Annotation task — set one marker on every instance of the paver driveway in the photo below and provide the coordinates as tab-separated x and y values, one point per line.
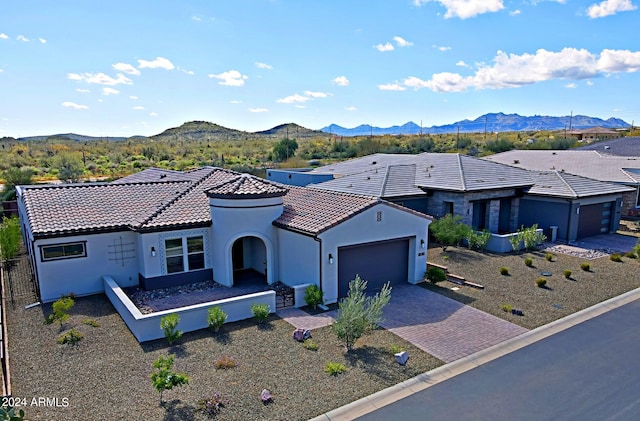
443	327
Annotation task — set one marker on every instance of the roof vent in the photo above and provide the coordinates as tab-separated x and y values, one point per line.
163	175
607	147
374	162
553	153
368	178
516	161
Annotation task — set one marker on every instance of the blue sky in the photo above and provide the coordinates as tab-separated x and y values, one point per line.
124	68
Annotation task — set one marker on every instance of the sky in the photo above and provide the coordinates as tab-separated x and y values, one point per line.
125	68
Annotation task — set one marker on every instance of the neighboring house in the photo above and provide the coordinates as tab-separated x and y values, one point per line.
625	146
593	134
161	228
485	194
621	170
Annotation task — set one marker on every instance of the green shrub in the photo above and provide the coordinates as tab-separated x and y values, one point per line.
260	312
60	311
224	363
394	349
506	308
313	296
72	337
169	324
11	414
435	275
541	282
630	255
504	270
585	266
91	322
216	318
528	261
615	257
164	378
549	257
310	344
567	273
478	239
334	369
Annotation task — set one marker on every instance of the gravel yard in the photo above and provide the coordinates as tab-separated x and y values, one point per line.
108	375
561	297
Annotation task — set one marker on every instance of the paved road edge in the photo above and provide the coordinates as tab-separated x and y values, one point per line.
425	380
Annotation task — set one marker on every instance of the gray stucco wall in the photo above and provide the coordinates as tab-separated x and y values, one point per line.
546	213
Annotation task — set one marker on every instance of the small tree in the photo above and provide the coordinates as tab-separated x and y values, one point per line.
449	230
216	318
358	313
61	308
169	324
284	149
313	296
164	378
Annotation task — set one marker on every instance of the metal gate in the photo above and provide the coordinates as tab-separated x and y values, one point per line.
19	281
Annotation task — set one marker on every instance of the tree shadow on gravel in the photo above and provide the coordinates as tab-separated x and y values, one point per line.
177	411
222	337
371	360
179	351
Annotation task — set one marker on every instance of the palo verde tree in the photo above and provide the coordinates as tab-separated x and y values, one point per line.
164	378
284	149
14	177
69	168
359	313
449	230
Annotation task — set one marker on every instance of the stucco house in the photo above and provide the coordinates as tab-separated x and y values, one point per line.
486	194
161	228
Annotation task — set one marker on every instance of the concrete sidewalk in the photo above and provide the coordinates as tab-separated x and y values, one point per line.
394	393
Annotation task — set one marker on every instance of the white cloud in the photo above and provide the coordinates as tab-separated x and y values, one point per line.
235	101
589	83
610	7
300	106
100	78
138	107
442	47
341	81
196	18
312	94
571	85
110	91
153	114
42	40
22	38
515	12
75	106
258	110
464	9
384	47
351	108
391	87
230	78
158	63
401	42
83	91
189	72
511	71
263	66
126	68
4	36
462	64
133	97
292	99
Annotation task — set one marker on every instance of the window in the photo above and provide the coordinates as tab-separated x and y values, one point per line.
63	251
184	254
447	208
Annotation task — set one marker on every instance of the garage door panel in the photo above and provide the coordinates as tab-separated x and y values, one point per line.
594	219
376	263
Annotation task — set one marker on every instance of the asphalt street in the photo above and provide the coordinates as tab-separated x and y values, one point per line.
590	371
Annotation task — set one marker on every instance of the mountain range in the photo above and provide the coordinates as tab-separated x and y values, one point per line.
493	122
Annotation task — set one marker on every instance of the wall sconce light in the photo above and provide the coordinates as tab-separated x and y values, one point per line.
421	244
330	258
153	251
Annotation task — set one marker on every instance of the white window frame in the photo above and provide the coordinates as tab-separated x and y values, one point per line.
63	256
186	267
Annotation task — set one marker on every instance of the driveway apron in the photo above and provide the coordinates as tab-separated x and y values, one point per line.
443	327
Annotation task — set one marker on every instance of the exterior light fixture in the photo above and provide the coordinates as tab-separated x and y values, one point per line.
421	244
153	251
330	258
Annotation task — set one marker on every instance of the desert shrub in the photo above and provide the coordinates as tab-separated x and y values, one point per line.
449	230
506	308
11	414
216	318
212	405
548	257
60	311
394	349
260	312
313	296
72	337
310	344
630	255
567	273
225	362
164	378
636	248
334	369
91	322
504	270
478	239
435	275
528	261
585	266
541	282
169	324
615	257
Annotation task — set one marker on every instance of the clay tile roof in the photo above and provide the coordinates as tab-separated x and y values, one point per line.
246	186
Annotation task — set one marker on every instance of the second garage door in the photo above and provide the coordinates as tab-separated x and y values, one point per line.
376	263
594	219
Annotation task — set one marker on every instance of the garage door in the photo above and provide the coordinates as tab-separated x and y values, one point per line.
376	263
594	219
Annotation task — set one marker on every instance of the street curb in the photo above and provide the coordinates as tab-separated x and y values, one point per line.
425	380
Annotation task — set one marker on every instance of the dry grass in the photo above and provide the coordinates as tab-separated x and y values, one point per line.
561	297
107	375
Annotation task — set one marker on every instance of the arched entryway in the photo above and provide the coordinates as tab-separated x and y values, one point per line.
249	261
